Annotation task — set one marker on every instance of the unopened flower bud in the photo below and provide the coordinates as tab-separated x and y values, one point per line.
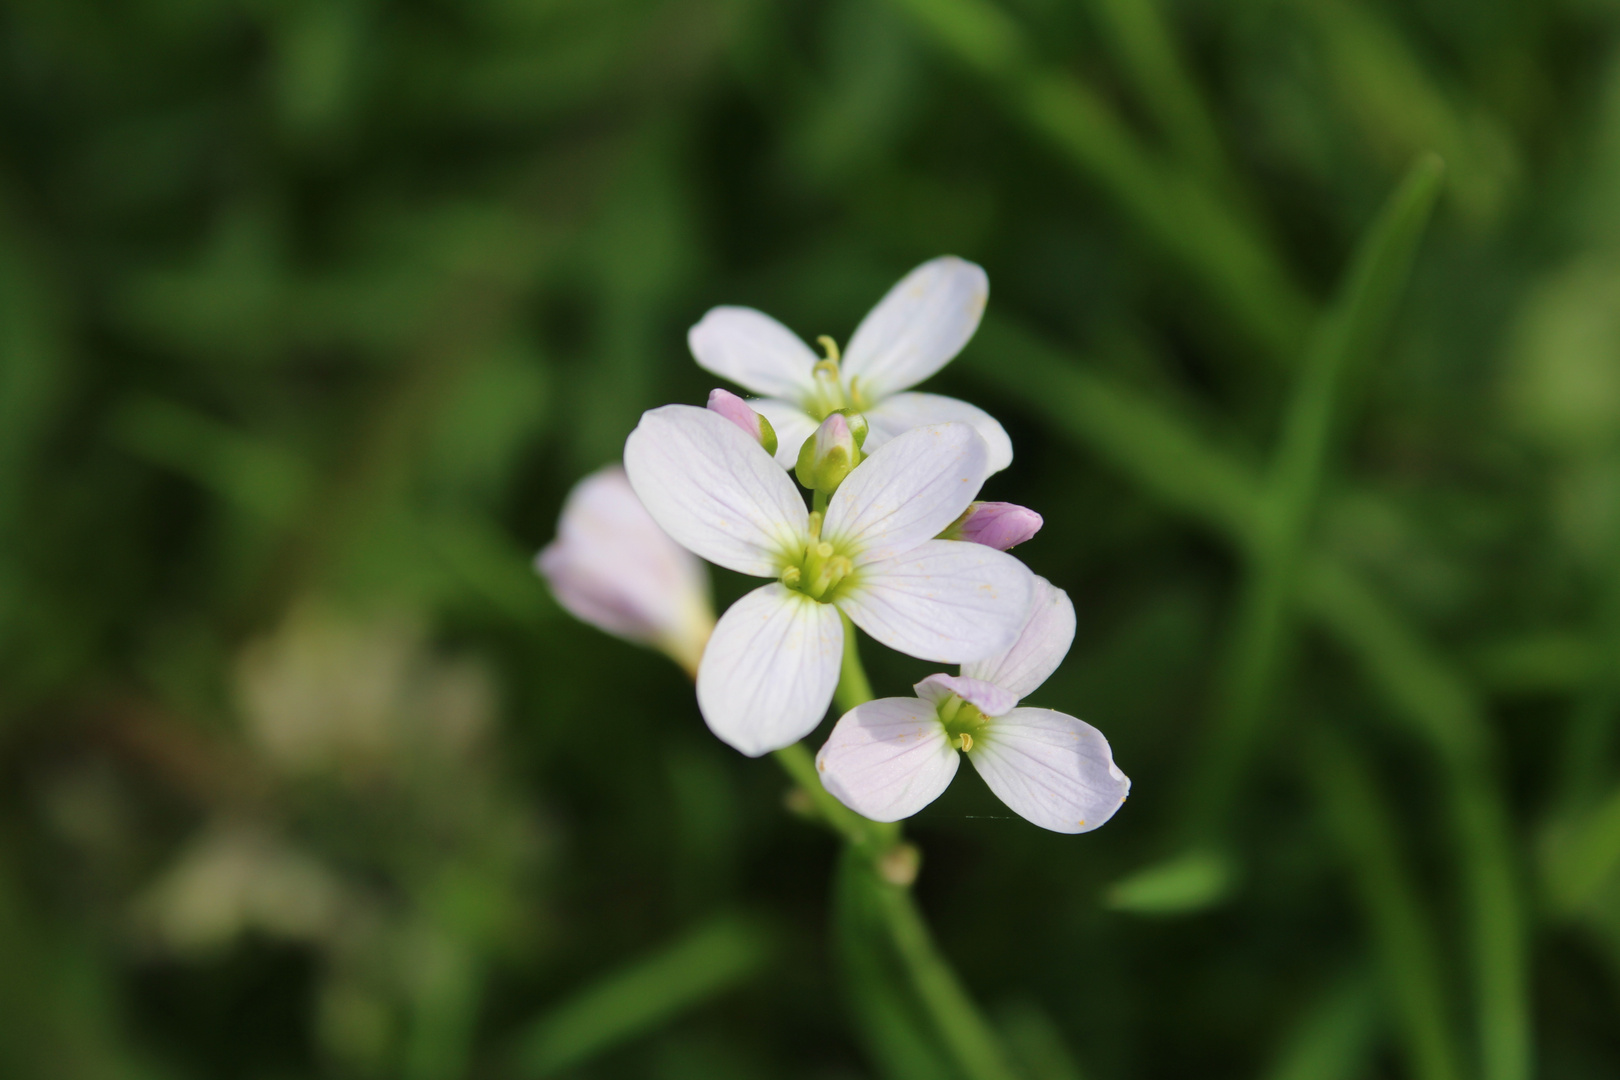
831	453
998	525
611	566
736	410
899	865
858	426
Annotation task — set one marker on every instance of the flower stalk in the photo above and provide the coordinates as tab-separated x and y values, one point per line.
961	1028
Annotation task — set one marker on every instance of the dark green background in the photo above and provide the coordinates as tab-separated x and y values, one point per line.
311	313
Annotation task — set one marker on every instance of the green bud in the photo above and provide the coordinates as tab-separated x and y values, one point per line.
736	410
829	455
858	426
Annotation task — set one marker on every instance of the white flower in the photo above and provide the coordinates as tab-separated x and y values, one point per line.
913	332
613	567
889	758
768	674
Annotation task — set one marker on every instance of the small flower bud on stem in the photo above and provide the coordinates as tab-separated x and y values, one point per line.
999	525
899	865
831	453
736	410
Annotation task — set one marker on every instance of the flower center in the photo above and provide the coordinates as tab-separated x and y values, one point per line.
821	568
831	393
963	721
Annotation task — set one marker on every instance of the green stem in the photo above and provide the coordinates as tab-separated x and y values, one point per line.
965	1032
960	1026
873	837
853	686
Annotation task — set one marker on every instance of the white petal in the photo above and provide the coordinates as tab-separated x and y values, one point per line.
888	759
918	327
715	490
899	413
792	426
946	600
754	351
769	671
1052	769
1041	646
613	567
906	492
988	698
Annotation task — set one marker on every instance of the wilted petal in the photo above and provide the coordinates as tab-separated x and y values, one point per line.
918	327
754	351
899	413
769	671
906	492
613	567
887	759
793	425
1041	646
988	698
944	600
714	489
1051	768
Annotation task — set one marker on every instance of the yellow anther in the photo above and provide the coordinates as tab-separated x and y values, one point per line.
791	577
830	347
815	523
964	742
824	550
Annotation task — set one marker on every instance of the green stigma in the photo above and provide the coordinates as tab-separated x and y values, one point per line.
963	722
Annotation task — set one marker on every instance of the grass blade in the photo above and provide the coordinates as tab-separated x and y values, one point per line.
1166	455
1192	225
1402	936
643	996
1335	1037
1350	332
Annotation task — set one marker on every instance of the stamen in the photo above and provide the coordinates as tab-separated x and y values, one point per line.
829	346
857	400
792	577
831	572
964	742
815	524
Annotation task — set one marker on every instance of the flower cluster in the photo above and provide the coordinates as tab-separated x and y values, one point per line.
892	541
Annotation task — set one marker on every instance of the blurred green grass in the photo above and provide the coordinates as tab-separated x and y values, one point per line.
311	313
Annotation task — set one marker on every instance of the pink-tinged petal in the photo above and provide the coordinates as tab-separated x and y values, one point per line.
793	425
754	351
988	698
899	413
887	759
1052	769
1042	644
614	568
944	600
1001	525
906	492
749	422
918	327
770	668
715	490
